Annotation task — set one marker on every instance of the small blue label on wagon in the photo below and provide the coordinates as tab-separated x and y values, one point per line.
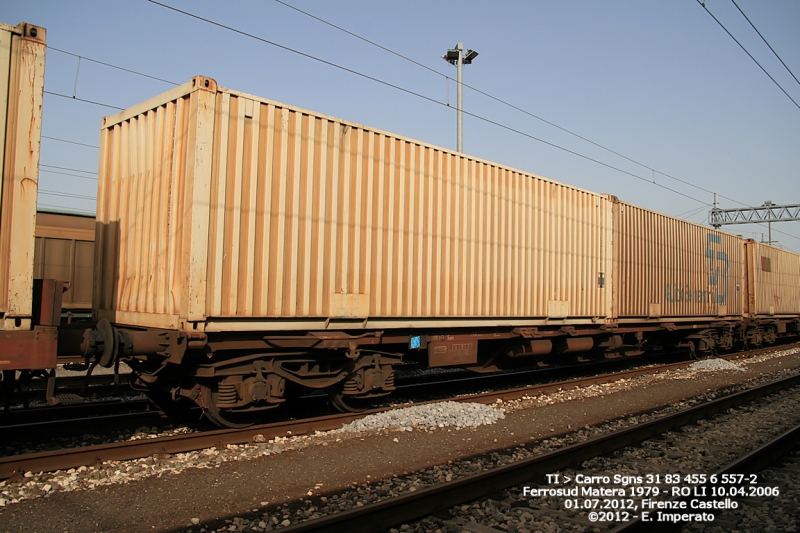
416	341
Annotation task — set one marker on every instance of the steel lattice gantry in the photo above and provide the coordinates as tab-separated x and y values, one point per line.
748	215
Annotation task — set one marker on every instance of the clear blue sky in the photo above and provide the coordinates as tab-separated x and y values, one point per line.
659	82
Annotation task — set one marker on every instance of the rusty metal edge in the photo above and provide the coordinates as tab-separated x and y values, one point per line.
387	513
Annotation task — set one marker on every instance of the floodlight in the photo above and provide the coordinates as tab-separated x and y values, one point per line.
470	55
451	56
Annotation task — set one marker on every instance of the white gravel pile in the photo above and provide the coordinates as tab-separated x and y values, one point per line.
429	416
714	364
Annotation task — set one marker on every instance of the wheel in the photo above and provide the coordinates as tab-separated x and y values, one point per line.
348	404
231	418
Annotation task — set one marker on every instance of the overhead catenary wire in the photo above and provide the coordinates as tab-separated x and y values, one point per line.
427	98
92	178
70	142
419	95
510	105
702	3
66	194
691	212
66	168
448	78
62	209
68	97
765	41
111	66
704	204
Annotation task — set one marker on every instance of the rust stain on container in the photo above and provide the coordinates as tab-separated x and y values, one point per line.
229	211
22	53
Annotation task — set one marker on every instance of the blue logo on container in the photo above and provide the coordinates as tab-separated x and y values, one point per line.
717	292
416	341
717	273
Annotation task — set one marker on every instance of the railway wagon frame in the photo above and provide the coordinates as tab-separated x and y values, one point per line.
289	247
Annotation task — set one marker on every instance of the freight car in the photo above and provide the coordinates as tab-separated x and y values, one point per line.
64	250
248	250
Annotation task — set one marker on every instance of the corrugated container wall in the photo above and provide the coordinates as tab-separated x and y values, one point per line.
773	280
237	212
22	51
671	268
65	251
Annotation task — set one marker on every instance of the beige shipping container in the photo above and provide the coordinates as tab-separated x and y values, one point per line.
222	211
670	269
773	280
65	251
22	51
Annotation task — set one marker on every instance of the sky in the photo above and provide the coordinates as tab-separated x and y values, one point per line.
650	101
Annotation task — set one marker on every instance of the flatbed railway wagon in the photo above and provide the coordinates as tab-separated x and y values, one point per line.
29	311
247	250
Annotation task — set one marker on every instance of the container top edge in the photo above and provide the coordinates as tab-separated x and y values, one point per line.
152	103
193	84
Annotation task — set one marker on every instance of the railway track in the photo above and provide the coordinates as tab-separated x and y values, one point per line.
67	458
75	386
499	495
115	414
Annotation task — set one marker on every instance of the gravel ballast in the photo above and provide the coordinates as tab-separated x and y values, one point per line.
457	415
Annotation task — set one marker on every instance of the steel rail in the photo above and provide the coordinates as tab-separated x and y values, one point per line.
19	418
65	419
412	506
128	450
752	462
76	419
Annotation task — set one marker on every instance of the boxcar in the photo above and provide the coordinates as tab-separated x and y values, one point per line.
64	251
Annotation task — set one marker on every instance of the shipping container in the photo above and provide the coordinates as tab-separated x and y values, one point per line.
773	280
670	269
65	251
222	211
22	52
29	312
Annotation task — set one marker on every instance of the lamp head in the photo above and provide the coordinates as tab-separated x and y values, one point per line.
469	56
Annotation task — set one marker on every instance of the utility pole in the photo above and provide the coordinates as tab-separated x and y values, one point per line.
458	57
